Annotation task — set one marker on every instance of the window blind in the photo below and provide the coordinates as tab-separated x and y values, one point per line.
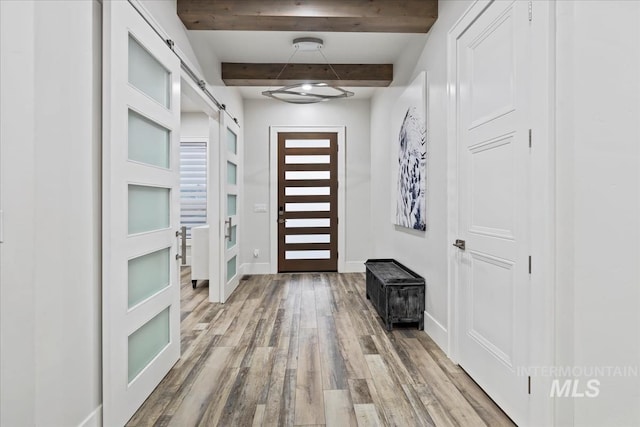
193	184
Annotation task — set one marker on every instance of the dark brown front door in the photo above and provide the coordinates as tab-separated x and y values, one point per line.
307	201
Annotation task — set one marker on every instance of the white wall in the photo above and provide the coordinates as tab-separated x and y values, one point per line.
50	272
598	202
17	287
259	116
423	252
194	125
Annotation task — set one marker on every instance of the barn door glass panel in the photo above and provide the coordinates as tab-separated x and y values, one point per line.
147	74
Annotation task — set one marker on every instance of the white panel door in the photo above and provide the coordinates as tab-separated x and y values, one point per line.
493	65
141	214
230	179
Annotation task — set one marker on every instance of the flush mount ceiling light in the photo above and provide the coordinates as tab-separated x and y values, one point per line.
308	92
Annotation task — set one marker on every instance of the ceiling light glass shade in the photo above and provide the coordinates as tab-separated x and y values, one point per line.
308	93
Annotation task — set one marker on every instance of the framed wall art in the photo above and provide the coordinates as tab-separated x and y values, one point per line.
410	133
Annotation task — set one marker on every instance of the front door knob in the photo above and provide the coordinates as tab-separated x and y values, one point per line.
460	244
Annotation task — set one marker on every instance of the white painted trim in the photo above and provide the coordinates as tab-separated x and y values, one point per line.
354	267
273	189
231	286
227	287
543	211
204	140
189	88
213	208
436	331
194	138
94	419
256	268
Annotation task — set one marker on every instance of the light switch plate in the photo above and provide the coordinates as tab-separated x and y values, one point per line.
260	207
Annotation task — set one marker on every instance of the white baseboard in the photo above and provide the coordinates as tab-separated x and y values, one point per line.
256	268
354	267
437	332
94	419
265	267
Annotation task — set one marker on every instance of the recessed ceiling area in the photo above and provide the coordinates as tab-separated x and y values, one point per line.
357	32
276	47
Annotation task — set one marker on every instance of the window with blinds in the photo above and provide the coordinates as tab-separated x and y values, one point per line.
193	184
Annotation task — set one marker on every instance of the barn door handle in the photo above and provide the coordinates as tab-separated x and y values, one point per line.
460	244
229	225
182	240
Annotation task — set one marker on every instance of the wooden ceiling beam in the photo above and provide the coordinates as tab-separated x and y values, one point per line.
351	75
386	16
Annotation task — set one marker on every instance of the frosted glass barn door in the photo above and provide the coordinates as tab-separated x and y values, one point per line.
230	156
141	288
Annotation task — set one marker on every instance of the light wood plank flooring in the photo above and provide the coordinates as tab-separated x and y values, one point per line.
308	349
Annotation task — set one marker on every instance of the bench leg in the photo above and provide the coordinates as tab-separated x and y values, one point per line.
193	283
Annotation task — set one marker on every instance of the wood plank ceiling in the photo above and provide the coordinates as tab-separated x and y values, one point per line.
382	16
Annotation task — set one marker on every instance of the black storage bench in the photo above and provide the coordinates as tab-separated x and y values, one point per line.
396	292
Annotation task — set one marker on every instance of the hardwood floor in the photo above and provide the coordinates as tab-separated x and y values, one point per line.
308	349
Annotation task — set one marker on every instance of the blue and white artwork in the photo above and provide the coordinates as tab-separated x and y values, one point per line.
412	158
